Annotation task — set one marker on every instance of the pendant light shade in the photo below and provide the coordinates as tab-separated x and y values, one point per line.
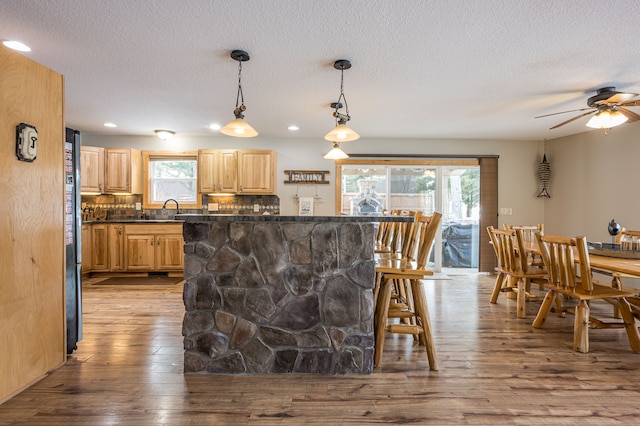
336	153
238	127
341	133
607	119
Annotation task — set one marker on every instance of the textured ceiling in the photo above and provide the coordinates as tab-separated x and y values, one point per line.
421	69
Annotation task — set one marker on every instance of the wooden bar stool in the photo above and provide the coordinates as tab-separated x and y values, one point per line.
404	276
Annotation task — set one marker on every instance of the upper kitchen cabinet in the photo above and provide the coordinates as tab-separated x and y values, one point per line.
218	171
91	170
256	171
123	171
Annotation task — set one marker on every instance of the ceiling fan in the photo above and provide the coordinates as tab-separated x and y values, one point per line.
610	107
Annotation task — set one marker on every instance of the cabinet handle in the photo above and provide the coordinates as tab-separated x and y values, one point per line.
151	242
158	241
119	230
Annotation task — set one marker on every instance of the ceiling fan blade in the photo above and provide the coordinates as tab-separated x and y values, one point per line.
572	119
563	112
631	103
620	98
632	116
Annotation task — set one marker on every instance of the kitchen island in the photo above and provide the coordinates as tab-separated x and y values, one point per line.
279	294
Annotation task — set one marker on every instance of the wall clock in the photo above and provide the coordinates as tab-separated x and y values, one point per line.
26	142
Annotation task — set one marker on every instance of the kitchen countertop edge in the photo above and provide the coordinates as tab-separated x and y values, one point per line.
278	218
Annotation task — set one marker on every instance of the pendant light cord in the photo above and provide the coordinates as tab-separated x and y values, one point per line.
240	95
342	97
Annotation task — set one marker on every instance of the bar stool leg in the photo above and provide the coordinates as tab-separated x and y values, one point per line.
382	314
420	302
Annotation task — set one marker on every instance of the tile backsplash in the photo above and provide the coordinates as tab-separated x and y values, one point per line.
123	207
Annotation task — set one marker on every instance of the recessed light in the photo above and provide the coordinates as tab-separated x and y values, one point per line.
16	45
293	128
110	125
214	126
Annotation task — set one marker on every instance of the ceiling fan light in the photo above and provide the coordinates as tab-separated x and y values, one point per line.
336	153
606	119
341	133
239	129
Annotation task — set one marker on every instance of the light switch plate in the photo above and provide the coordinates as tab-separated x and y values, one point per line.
138	206
256	208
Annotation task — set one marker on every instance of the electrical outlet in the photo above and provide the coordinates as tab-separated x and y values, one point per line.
213	207
138	206
256	208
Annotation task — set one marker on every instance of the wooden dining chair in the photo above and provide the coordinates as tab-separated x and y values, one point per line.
529	237
576	282
515	272
407	274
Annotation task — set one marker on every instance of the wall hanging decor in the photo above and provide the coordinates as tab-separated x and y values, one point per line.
544	176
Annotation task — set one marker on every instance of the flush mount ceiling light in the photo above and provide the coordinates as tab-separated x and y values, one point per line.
606	119
165	135
336	153
238	127
341	133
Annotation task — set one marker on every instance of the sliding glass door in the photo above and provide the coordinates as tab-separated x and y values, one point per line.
452	190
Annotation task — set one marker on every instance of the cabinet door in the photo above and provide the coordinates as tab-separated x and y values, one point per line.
139	252
86	248
217	171
256	171
117	170
91	169
116	247
169	252
99	248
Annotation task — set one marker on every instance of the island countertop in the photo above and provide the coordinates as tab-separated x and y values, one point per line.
278	218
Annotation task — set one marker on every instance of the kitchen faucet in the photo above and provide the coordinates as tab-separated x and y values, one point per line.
164	206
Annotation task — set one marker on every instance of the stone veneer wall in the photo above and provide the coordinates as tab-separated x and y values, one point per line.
278	297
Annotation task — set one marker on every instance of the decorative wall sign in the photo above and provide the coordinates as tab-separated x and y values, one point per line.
26	142
307	176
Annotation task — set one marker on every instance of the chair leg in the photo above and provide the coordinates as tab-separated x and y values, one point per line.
382	314
629	324
497	287
615	283
420	301
581	327
521	298
549	298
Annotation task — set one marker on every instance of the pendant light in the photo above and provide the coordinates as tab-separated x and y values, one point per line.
341	133
336	153
606	119
238	127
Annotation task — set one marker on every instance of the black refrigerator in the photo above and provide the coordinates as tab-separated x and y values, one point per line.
73	242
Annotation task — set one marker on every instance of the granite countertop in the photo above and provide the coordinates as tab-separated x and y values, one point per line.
278	218
134	221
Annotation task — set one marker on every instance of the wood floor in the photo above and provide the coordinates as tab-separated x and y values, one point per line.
494	369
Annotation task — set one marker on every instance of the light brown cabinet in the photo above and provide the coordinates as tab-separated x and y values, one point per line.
236	171
99	248
217	171
116	247
122	171
91	170
85	238
153	247
256	171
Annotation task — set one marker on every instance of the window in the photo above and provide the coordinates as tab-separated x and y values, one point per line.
171	175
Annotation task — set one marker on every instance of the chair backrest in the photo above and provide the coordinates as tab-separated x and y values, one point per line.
509	245
427	229
528	231
559	256
386	232
410	236
628	239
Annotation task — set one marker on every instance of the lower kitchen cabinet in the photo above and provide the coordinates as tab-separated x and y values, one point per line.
86	247
116	247
99	248
153	247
